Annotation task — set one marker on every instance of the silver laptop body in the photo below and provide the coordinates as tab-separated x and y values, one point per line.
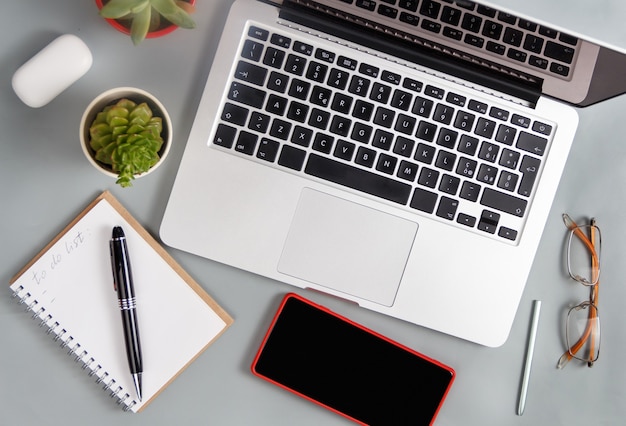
305	205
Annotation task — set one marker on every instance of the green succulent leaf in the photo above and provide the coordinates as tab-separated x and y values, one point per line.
140	26
116	9
170	11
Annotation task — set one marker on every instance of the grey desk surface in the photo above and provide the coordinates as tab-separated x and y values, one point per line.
46	181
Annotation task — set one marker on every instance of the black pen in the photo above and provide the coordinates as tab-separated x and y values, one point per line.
123	284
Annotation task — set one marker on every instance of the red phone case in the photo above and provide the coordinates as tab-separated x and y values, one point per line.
328	311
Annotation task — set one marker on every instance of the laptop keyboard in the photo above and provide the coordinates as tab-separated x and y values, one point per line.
464	24
383	130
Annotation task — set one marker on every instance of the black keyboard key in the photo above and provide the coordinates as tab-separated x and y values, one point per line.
527	25
451	15
299	89
295	64
323	143
320	96
405	124
258	33
559	52
291	157
447	138
388	11
303	48
568	39
445	160
268	150
319	119
488	151
505	134
428	177
358	179
430	9
425	153
470	191
380	93
225	136
455	99
246	95
348	63
548	32
361	132
411	84
497	48
408	5
386	164
280	129
433	27
465	219
426	131
449	184
338	78
509	159
544	129
487	11
447	208
340	125
424	200
485	128
538	62
488	221
520	120
276	104
443	114
277	82
468	145
477	106
499	113
422	107
325	55
363	110
344	150
471	22
559	69
259	122
368	70
246	143
533	43
301	136
513	37
532	143
492	30
530	170
403	146
341	103
474	40
366	4
235	114
359	85
466	167
251	73
280	40
365	156
433	91
252	50
409	18
274	57
384	117
316	72
503	202
453	33
407	170
517	55
382	139
508	233
401	100
507	18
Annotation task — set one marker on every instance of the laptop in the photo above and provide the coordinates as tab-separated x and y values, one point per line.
399	154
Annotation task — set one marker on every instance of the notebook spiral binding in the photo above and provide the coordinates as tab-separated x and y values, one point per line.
74	348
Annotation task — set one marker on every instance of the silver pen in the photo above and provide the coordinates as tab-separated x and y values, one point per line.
530	349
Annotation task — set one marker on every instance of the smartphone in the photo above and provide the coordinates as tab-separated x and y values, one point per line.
349	369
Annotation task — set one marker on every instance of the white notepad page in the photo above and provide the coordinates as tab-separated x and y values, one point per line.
71	284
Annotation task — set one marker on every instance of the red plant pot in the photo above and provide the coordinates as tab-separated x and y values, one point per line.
165	28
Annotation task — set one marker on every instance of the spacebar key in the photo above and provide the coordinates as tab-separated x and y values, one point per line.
358	179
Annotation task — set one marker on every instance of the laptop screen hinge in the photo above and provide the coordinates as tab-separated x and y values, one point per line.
515	85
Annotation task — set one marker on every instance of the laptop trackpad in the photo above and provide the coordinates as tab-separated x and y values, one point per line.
348	247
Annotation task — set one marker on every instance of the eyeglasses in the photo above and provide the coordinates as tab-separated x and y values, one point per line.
582	329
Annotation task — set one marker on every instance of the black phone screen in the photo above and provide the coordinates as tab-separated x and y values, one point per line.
351	370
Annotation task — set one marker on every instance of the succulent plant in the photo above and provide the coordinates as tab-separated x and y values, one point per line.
126	137
146	14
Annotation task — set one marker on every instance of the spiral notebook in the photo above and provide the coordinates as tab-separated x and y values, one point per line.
68	288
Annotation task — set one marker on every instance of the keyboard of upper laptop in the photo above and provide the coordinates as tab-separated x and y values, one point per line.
383	129
462	23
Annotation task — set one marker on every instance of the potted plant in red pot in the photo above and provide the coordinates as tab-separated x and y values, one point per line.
147	18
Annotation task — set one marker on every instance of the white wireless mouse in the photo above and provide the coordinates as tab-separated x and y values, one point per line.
66	59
